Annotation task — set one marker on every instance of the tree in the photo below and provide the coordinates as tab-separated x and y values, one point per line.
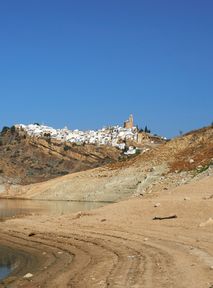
146	130
13	129
66	147
4	130
47	137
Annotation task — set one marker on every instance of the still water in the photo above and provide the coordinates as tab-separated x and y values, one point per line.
4	271
17	208
13	208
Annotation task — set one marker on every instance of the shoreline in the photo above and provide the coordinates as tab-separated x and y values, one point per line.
119	245
56	200
20	259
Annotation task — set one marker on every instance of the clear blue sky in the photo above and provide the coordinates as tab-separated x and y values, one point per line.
89	63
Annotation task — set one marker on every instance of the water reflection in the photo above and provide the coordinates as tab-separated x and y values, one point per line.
4	271
13	207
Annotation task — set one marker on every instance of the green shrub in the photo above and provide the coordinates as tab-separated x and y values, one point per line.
4	130
13	129
66	147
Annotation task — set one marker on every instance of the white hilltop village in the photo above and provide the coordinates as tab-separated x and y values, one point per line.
115	136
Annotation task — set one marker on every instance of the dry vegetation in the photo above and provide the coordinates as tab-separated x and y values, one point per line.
124	244
30	160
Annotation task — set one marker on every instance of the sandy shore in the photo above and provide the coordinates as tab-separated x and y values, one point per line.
119	245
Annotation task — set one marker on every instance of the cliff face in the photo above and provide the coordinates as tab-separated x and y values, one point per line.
25	160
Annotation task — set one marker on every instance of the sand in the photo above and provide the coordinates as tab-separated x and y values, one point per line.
119	245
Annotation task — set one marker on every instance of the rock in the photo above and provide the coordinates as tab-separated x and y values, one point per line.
146	239
31	234
80	214
208	197
157	205
28	275
103	220
131	256
186	198
191	161
207	223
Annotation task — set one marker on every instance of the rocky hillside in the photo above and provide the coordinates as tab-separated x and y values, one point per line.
174	163
194	151
25	159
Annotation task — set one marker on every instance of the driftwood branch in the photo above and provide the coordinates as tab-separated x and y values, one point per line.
164	218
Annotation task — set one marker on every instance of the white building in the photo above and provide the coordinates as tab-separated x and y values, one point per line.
114	136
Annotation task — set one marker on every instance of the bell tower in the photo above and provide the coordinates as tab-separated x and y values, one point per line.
128	124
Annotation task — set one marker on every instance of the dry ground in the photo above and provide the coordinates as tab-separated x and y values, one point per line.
25	160
166	165
120	245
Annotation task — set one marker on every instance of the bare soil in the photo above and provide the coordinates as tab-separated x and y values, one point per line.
25	160
120	245
163	166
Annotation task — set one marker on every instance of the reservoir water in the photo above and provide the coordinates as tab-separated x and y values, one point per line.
4	271
16	208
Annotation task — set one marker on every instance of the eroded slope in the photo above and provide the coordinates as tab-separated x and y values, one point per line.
151	171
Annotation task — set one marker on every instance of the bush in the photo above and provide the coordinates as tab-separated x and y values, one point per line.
138	151
47	137
66	147
146	130
62	173
4	130
13	129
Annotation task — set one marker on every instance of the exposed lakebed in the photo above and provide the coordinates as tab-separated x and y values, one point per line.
11	208
7	257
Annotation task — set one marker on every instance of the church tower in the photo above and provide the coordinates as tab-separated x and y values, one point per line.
129	124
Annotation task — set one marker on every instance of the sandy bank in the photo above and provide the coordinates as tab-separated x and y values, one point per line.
120	245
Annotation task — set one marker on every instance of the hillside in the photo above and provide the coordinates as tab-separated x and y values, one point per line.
119	245
160	237
25	159
165	166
